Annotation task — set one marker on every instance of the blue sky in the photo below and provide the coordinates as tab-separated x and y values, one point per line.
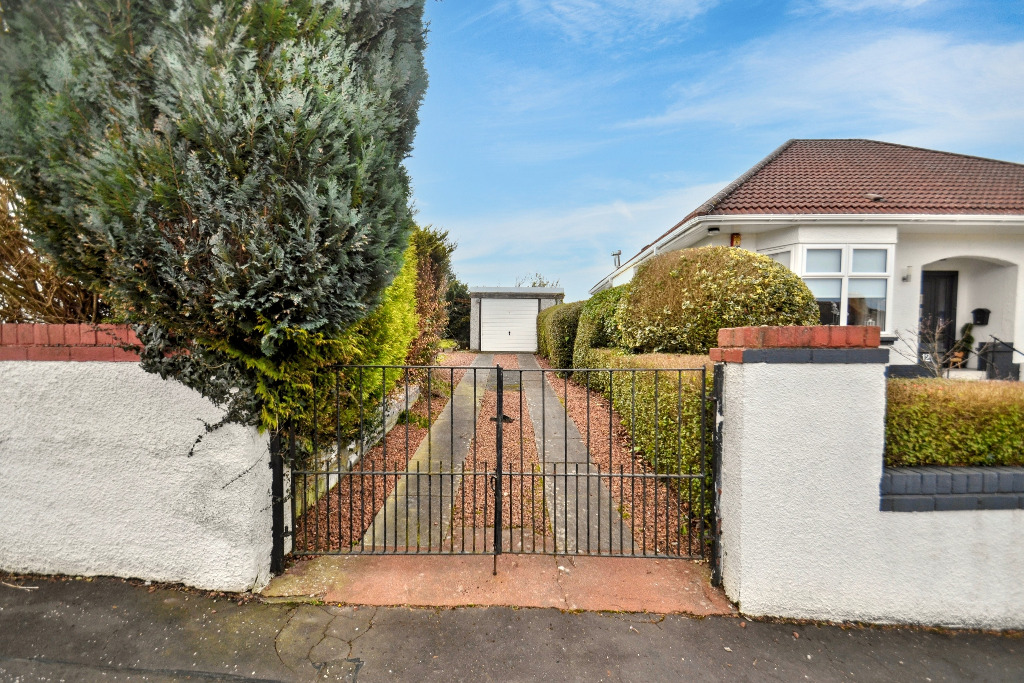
555	132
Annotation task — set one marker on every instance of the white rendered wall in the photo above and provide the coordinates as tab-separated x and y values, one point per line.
474	323
802	535
96	479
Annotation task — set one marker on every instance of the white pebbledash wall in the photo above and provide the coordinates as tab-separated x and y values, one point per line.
802	534
97	479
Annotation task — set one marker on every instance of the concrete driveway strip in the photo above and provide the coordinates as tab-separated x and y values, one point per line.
580	505
106	629
419	510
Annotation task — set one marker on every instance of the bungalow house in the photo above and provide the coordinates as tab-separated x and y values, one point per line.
909	239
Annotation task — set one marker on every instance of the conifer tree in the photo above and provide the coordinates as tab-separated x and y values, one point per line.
434	275
227	172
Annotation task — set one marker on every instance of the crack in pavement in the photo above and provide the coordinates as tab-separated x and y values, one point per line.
277	638
323	637
369	625
558	582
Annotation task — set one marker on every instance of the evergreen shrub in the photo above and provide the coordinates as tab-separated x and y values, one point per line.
433	278
597	328
678	301
543	330
561	333
954	422
228	175
459	314
32	290
665	424
384	337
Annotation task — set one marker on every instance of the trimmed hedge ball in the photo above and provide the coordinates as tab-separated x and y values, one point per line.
556	329
678	301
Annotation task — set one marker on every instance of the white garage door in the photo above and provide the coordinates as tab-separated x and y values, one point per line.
508	325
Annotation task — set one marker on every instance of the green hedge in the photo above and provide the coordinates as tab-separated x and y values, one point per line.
597	328
543	327
950	422
559	332
665	424
678	301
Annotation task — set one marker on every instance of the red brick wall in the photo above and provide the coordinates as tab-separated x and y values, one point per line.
29	341
732	341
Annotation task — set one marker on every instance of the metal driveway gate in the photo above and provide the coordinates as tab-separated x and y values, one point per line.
454	460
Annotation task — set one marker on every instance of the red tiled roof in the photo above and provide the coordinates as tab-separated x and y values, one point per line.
869	177
836	176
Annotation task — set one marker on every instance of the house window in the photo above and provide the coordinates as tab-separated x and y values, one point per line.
781	257
851	283
828	292
824	261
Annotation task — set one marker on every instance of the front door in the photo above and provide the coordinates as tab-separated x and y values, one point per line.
938	311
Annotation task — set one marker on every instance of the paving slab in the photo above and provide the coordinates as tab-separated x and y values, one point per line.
566	582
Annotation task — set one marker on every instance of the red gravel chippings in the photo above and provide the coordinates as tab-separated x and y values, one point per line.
653	509
456	359
523	490
343	515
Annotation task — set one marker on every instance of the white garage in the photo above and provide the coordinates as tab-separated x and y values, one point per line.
505	318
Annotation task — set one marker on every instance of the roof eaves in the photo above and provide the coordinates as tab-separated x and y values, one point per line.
709	206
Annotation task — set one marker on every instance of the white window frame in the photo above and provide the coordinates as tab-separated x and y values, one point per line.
845	274
793	250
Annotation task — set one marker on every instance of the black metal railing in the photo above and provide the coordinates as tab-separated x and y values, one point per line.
495	460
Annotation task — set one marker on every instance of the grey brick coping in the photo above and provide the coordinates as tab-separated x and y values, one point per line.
829	356
938	489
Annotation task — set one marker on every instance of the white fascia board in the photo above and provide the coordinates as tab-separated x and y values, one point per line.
872	219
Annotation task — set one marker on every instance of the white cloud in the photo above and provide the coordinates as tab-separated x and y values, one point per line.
861	5
913	87
571	245
611	20
518	90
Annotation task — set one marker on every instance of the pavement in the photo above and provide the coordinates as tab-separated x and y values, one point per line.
112	630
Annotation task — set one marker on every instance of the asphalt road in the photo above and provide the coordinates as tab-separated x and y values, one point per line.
111	630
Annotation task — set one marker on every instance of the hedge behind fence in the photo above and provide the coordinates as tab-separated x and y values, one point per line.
559	332
543	325
951	422
597	327
663	413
